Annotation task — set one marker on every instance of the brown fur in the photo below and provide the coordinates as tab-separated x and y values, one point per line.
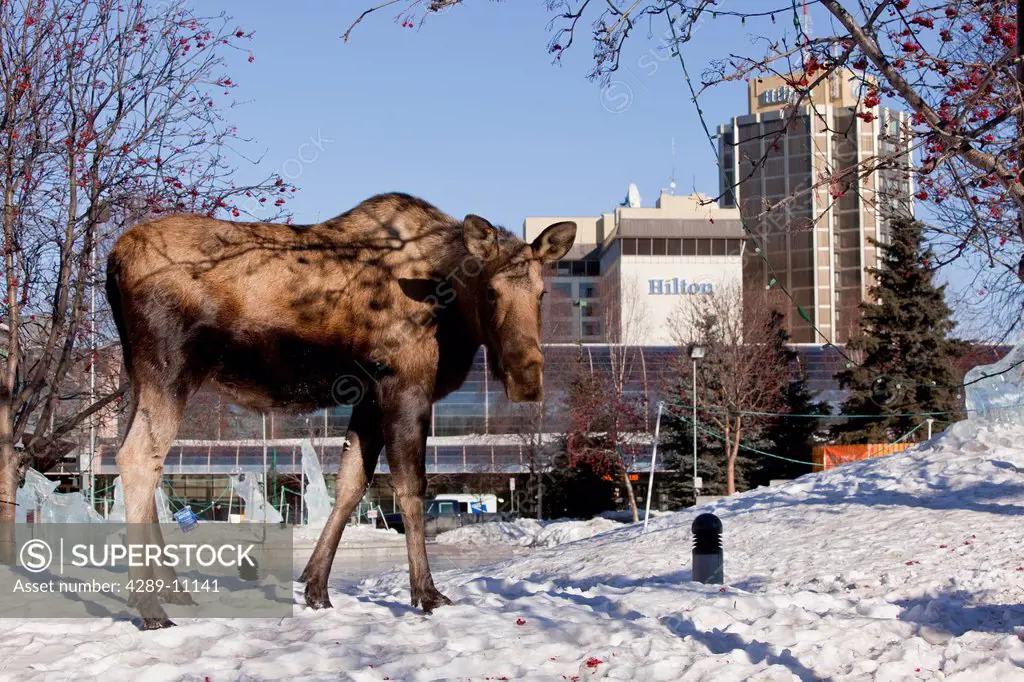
392	298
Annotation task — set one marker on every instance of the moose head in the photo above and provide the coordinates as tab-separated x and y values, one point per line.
509	307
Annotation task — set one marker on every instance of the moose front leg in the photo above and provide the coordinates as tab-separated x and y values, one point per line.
358	460
406	423
140	458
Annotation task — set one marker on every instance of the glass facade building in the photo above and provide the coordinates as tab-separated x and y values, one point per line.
476	429
796	173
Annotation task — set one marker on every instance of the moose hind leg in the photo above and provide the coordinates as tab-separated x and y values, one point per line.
140	461
406	423
358	461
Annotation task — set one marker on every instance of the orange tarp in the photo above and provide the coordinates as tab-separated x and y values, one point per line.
831	456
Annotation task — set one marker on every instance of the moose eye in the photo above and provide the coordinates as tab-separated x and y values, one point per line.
543	294
492	295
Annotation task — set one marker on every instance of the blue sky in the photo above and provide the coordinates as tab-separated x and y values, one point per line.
466	111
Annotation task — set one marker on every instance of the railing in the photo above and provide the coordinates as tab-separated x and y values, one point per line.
502	453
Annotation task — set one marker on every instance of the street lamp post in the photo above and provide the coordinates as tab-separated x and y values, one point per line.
582	305
696	353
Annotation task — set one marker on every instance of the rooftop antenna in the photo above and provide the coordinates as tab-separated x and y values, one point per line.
632	196
807	28
672	181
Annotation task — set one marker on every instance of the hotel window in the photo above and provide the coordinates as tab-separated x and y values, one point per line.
801	240
802	278
675	247
593	268
562	289
588	290
775	187
718	247
774	165
592	310
800	164
659	247
579	268
564	268
689	247
728	195
591	329
801	258
628	246
849	258
849	201
643	247
703	247
849	279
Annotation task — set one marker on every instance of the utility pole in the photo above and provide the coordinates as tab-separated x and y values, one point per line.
654	458
92	377
582	305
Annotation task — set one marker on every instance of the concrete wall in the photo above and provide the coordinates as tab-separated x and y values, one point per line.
652	291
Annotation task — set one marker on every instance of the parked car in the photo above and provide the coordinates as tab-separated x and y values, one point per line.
448	512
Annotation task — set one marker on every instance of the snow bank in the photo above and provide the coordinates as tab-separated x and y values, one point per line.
626	516
362	534
908	567
527	532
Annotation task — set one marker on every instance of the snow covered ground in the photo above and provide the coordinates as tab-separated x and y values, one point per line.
909	567
362	535
527	532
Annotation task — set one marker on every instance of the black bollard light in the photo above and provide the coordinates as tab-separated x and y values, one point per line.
708	563
249	569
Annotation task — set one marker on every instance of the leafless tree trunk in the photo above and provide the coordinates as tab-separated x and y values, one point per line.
627	323
100	102
745	368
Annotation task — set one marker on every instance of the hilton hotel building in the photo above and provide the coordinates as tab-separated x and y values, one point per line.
630	270
816	245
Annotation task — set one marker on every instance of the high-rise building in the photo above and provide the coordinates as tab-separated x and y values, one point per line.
632	272
798	174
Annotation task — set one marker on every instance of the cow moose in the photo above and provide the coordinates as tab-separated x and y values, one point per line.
389	302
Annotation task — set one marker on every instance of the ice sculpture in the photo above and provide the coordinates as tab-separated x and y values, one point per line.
996	392
163	505
69	508
38	496
318	503
31	496
250	488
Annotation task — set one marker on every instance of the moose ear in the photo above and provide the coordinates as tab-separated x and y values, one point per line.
480	237
555	241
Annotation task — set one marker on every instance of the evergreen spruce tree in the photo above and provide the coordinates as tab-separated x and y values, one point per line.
676	444
793	437
903	344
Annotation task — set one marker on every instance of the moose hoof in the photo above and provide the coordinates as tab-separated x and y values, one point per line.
317	598
157	623
432	600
